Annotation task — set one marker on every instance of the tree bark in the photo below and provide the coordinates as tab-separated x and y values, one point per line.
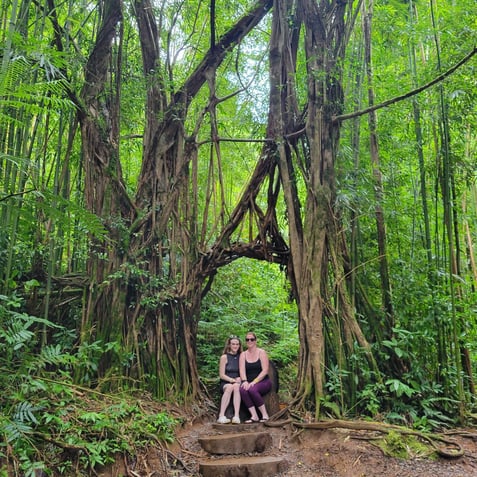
146	289
317	256
378	182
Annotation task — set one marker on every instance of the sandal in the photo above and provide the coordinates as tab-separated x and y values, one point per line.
251	421
265	419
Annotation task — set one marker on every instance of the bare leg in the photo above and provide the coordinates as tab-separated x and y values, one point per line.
263	412
253	413
237	400
225	399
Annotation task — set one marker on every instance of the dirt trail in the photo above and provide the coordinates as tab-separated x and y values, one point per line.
333	453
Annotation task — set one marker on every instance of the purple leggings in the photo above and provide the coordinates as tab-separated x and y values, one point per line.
253	397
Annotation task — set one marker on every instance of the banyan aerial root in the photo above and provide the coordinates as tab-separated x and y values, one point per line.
450	449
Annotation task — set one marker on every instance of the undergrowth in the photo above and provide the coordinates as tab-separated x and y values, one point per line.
398	445
51	426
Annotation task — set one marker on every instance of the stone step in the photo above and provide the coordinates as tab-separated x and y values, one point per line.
236	443
242	467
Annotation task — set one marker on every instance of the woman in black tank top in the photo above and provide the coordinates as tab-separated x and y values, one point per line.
254	365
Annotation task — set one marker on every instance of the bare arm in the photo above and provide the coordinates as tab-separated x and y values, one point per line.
243	374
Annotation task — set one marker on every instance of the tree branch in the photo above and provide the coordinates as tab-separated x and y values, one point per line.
440	78
216	55
23	192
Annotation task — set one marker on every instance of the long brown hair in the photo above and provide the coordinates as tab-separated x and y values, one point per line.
227	344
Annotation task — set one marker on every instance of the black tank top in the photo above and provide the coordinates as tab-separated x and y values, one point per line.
232	365
253	369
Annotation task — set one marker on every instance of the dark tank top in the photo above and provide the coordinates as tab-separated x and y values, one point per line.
253	369
232	365
231	369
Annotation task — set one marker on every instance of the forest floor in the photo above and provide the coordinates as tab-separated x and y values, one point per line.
339	453
332	452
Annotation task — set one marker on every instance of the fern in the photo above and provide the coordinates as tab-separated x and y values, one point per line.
16	335
24	413
16	332
52	355
41	405
14	430
17	92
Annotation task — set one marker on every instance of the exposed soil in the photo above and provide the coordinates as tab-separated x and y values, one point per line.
334	453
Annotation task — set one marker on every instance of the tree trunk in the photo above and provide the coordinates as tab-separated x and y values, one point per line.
317	255
148	280
378	182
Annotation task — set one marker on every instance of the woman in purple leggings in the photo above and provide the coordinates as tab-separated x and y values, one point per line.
255	381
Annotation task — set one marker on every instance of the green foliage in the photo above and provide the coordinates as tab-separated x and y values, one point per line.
94	428
154	289
395	444
17	334
399	388
52	425
414	399
249	296
19	94
45	222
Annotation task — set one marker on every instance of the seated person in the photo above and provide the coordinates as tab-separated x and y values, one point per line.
230	379
254	364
